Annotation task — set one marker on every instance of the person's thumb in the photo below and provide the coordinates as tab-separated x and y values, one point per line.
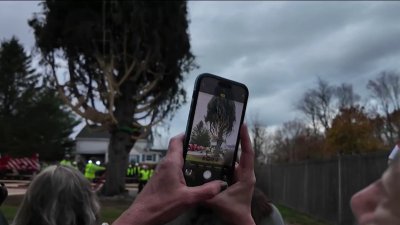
207	190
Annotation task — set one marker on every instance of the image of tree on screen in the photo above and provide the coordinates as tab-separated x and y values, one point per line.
200	135
221	115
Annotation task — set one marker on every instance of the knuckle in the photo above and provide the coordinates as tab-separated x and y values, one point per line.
171	141
165	164
252	179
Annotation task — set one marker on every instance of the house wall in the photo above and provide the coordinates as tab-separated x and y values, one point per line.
139	153
148	157
92	146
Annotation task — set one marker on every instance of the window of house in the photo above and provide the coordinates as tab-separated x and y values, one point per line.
149	157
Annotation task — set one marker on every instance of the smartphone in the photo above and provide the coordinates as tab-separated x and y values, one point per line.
212	132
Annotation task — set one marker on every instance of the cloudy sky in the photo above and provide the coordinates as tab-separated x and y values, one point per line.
278	49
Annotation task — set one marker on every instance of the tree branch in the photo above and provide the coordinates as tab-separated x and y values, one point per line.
148	105
146	89
110	82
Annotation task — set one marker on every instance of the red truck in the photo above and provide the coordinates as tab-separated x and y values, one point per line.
195	147
11	166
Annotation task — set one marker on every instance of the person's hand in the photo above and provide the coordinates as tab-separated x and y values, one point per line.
166	195
234	204
379	203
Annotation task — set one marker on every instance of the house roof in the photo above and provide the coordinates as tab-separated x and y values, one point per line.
163	152
135	151
93	132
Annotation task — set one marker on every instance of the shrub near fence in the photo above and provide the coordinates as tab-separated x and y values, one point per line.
322	189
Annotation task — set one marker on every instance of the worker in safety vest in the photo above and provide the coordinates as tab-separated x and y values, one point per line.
136	169
144	176
68	162
130	171
91	169
151	172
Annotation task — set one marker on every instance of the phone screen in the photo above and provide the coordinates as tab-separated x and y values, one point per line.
213	134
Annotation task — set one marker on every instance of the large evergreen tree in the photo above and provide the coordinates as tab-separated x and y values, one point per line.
221	115
125	63
32	118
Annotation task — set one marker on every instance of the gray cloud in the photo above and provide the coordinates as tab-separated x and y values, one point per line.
278	49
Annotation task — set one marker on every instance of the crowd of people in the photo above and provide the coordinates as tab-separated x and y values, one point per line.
60	195
139	173
89	169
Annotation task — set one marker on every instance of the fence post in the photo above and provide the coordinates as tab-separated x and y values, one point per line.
269	186
306	190
340	203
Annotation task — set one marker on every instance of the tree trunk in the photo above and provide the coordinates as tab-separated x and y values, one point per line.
118	155
220	140
121	142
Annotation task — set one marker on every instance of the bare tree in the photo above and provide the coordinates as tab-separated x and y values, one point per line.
284	140
317	105
324	94
308	105
268	152
385	90
259	136
346	96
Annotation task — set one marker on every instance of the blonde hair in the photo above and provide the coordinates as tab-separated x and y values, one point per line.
59	195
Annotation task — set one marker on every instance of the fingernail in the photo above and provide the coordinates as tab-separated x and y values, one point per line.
224	185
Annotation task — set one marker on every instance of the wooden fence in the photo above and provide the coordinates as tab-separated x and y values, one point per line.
322	189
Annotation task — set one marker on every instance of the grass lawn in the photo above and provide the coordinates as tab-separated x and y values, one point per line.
9	211
110	209
199	158
294	217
